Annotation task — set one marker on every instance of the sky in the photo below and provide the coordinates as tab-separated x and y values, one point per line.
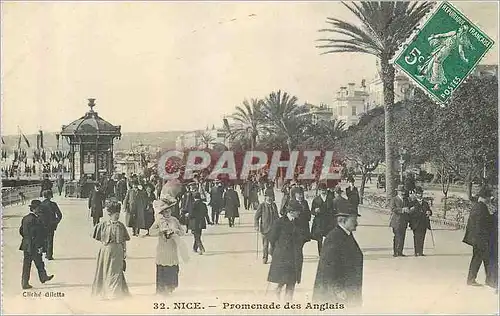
159	66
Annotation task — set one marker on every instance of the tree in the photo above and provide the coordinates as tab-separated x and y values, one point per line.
284	116
324	134
384	27
363	145
462	137
206	139
249	122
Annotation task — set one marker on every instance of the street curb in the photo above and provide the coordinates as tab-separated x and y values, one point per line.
439	221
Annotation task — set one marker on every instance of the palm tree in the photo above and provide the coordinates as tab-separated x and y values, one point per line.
206	139
384	27
324	134
249	122
284	116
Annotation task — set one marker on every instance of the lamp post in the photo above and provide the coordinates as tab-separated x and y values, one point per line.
402	154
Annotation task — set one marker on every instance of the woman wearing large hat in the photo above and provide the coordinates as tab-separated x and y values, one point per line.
109	280
169	246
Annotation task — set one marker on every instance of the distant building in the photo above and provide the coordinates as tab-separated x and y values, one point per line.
319	113
349	102
200	139
403	89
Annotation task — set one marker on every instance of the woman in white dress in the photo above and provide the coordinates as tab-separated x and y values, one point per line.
169	246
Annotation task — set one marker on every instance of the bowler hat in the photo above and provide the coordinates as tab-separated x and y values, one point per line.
322	186
34	204
484	193
419	190
296	190
401	187
346	209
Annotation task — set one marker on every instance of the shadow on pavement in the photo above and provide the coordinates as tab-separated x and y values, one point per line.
218	253
228	233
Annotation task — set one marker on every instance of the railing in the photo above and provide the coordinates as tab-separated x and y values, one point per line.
15	195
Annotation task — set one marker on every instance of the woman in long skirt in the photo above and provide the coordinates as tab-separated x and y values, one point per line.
149	212
109	280
169	246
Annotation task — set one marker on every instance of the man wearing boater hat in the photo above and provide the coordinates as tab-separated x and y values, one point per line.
339	278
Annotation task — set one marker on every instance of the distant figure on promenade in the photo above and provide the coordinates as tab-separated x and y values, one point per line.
52	216
109	279
60	184
96	204
33	232
46	184
149	214
198	219
420	211
323	222
121	187
231	204
216	201
299	203
352	194
287	239
339	278
169	246
134	205
265	217
187	203
269	190
477	235
253	197
399	221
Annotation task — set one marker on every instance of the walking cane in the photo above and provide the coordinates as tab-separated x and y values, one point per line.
267	288
432	237
257	244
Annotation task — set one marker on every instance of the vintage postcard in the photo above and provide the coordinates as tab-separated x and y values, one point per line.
249	157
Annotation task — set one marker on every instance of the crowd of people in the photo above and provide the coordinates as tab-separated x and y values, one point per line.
173	209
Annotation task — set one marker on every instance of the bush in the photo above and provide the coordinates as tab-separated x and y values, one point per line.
374	200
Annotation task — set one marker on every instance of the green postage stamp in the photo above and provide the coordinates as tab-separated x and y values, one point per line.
443	53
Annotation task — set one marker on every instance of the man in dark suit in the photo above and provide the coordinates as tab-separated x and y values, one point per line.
420	211
352	194
266	215
477	235
33	232
324	220
198	219
299	203
339	278
230	204
216	201
96	204
46	184
51	215
399	221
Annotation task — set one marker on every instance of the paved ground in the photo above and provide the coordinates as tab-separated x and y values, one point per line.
231	272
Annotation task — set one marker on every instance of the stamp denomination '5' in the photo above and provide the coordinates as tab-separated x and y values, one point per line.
444	52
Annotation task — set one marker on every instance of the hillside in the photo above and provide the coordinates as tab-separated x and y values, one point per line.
161	139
